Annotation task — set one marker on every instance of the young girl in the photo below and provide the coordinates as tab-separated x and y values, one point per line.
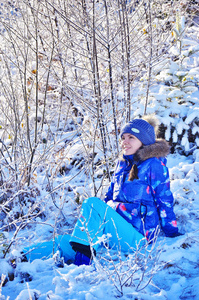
140	194
139	198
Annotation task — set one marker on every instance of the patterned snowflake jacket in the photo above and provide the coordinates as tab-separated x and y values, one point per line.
145	202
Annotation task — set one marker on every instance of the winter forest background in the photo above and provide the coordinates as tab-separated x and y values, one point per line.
72	73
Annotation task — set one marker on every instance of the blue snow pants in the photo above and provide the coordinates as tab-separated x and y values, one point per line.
95	220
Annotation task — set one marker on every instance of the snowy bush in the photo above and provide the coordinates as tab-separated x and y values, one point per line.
72	73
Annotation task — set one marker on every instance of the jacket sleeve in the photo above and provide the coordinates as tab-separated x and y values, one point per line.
109	194
160	184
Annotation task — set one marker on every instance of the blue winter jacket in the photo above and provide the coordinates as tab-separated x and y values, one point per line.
145	202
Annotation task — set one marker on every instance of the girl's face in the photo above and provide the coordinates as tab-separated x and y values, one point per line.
130	144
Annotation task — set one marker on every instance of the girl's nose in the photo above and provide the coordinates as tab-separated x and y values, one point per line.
125	141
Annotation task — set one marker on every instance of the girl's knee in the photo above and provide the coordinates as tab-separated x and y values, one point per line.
95	203
92	201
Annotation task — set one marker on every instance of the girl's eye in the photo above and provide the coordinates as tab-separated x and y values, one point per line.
129	137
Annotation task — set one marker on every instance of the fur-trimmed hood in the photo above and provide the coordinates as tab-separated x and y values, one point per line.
160	148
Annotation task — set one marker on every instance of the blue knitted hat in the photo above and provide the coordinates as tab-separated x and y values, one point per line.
141	129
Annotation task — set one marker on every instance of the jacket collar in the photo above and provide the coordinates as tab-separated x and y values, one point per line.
160	148
129	158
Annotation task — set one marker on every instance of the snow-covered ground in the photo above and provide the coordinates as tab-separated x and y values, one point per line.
174	261
166	270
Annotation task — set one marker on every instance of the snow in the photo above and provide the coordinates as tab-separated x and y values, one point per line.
192	115
28	294
177	263
176	93
174	98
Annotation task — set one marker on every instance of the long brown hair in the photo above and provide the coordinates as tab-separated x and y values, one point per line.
133	173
